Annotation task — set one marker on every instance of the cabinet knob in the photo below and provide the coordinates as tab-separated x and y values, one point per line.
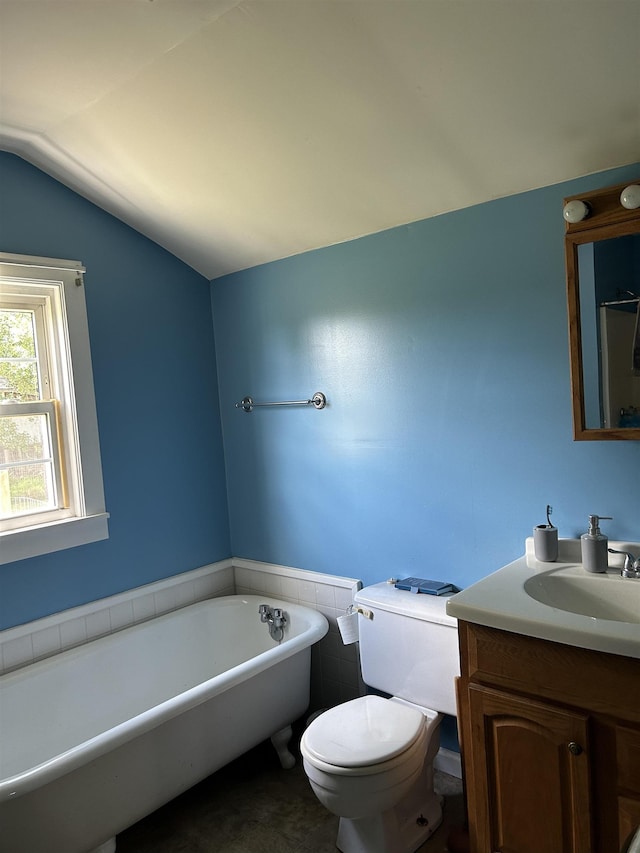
574	748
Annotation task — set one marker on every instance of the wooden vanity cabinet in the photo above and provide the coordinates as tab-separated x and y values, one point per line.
550	739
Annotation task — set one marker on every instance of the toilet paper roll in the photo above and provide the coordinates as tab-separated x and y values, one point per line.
348	625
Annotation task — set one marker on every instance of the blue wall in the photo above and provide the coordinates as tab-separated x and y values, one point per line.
155	381
442	347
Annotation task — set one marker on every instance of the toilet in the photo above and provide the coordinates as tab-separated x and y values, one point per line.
370	760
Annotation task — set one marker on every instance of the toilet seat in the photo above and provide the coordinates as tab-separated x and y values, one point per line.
364	733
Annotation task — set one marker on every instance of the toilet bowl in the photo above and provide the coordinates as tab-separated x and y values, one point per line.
369	761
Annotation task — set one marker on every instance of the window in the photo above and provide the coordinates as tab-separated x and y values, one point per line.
51	494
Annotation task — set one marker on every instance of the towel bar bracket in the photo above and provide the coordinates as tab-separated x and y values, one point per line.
318	401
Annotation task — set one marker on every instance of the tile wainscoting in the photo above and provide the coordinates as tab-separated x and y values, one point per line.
335	669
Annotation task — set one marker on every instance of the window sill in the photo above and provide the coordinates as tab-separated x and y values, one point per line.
46	538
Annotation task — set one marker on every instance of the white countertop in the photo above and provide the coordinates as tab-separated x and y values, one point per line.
501	601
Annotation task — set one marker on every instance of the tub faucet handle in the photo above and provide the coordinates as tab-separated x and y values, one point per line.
265	612
279	617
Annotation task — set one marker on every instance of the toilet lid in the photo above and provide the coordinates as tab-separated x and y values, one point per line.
364	731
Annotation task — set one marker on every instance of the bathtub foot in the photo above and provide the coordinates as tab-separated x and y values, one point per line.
280	741
106	847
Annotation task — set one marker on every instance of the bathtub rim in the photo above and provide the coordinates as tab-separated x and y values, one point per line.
65	762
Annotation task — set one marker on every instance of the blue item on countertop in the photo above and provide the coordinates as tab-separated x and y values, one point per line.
426	586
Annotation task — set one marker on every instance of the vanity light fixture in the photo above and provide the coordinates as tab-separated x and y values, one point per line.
575	210
630	197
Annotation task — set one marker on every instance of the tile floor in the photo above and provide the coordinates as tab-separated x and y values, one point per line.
253	806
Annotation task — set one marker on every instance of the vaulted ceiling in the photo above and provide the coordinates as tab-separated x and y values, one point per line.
234	133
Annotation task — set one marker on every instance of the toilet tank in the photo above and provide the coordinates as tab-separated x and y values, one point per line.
410	647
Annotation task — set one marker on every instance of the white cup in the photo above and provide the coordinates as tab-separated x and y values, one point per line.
545	543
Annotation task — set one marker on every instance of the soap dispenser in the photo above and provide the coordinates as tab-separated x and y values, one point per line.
594	546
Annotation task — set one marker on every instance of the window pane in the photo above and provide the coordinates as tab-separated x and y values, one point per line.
24	438
26	471
18	354
25	489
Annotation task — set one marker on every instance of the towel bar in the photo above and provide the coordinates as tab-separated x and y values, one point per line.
318	401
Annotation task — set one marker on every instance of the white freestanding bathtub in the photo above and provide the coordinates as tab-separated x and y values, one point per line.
95	738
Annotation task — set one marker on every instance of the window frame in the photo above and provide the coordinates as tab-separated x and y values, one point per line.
85	518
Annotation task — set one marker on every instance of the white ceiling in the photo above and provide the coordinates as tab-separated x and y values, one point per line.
234	133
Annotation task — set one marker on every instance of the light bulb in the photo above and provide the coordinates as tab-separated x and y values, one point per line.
575	211
630	197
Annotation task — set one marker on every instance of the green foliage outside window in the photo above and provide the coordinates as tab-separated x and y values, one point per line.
17	342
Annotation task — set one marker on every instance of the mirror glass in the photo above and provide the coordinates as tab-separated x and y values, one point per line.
609	290
602	253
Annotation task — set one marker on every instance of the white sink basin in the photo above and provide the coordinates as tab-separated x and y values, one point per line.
559	601
601	596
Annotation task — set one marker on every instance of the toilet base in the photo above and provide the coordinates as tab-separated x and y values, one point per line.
402	829
389	832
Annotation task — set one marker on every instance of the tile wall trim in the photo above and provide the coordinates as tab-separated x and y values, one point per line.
302	574
42	638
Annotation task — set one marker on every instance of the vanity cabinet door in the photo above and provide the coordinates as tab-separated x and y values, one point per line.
628	779
528	785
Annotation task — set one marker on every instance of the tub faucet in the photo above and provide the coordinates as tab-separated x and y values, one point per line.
265	612
631	568
273	615
276	618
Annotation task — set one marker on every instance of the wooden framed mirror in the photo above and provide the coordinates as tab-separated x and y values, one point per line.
602	255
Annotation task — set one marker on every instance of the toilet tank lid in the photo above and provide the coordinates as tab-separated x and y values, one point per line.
385	596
